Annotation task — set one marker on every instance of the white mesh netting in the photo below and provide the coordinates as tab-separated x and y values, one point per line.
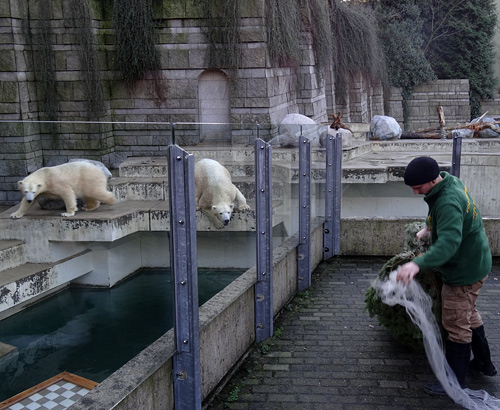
418	305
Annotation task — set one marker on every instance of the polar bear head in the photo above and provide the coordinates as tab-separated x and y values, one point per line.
30	189
223	211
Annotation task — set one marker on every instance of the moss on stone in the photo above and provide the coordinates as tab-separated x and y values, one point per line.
9	92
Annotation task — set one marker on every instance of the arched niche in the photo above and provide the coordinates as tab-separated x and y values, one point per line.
214	106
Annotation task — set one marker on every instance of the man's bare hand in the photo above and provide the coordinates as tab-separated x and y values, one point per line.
407	272
424	234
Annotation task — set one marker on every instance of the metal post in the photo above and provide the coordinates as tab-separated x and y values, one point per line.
186	361
328	242
173	133
304	248
264	231
456	155
337	191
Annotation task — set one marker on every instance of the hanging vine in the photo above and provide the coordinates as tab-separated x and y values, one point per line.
318	23
135	45
87	54
357	46
40	42
222	29
283	32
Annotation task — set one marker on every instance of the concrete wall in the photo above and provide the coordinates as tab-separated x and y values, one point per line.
227	330
386	236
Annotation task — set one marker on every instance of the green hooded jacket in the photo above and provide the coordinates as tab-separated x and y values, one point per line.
459	246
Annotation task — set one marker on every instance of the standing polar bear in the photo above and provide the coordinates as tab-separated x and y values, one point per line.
215	192
67	182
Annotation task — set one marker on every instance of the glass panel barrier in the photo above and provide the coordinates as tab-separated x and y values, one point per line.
226	235
318	171
133	233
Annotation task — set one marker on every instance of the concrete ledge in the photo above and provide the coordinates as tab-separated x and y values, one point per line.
12	254
22	285
386	236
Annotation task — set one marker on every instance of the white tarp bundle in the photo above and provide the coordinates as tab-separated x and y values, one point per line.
418	304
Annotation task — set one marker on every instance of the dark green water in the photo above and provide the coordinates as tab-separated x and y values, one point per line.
92	332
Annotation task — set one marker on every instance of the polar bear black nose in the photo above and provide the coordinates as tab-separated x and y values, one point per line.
29	200
226	222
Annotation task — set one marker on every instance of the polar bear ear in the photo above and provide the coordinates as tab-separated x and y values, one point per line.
214	207
19	183
231	206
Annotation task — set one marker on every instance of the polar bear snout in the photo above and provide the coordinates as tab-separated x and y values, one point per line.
225	215
30	196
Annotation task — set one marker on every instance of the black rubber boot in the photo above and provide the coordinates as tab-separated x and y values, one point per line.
458	357
481	350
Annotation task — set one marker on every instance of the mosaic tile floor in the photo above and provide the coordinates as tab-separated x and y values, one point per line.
57	393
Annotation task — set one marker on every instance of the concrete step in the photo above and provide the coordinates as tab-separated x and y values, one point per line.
144	167
12	254
23	285
139	188
156	189
108	223
153	168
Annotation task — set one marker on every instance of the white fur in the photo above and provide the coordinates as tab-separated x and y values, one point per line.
215	192
67	182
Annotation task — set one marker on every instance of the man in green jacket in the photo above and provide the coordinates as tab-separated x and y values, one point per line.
460	252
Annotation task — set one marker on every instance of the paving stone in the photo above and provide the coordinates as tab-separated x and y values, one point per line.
345	360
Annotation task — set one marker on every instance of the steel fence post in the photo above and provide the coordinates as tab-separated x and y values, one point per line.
186	360
337	190
328	244
304	248
456	154
264	233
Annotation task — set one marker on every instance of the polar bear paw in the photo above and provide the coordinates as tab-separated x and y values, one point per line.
244	207
68	214
16	215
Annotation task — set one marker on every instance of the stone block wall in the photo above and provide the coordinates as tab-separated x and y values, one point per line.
136	121
452	95
362	101
492	106
311	96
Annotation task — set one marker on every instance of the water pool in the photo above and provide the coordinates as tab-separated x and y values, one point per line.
93	332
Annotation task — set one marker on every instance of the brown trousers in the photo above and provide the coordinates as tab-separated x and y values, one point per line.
459	313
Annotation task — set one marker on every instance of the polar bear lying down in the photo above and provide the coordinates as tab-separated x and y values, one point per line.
67	182
215	192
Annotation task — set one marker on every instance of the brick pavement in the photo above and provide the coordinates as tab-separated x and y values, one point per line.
331	355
